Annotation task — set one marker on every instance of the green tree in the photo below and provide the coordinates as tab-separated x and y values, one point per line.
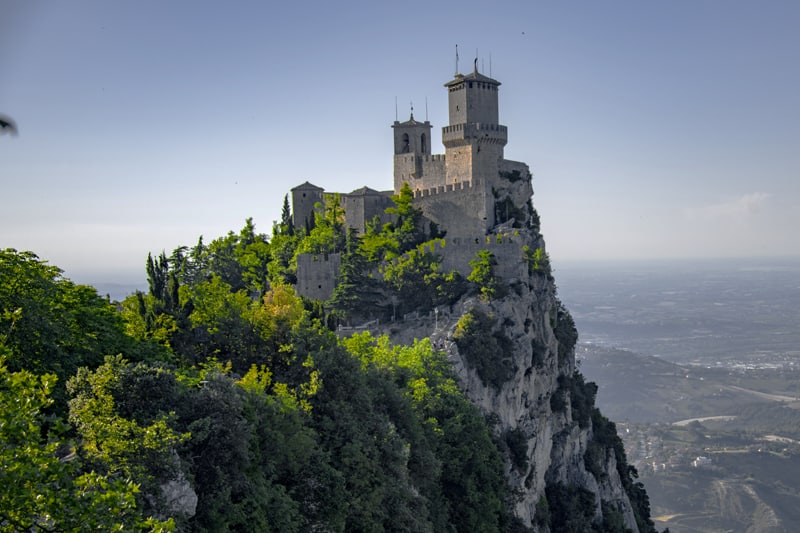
254	259
407	228
328	235
538	261
488	351
50	325
194	266
114	443
483	273
157	271
378	243
220	317
281	267
287	225
42	486
224	261
415	277
459	467
357	294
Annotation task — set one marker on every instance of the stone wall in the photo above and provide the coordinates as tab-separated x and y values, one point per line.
317	275
419	171
462	209
456	253
361	206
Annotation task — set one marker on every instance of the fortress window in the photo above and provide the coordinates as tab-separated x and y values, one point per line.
422	139
470	85
405	148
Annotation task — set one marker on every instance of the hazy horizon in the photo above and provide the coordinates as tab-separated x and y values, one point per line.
119	285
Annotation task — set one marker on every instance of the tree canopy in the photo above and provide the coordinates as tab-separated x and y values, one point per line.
221	400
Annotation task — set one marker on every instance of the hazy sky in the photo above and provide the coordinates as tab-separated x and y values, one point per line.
653	129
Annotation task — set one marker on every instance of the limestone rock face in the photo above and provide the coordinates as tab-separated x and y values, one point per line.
527	317
179	497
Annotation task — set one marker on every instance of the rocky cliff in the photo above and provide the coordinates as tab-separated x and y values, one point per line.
514	357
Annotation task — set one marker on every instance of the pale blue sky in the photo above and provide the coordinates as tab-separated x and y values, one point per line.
653	129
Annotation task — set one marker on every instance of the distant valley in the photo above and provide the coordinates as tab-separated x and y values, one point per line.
706	395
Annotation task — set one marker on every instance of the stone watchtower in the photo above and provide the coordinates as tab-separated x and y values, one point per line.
455	190
304	197
474	140
412	143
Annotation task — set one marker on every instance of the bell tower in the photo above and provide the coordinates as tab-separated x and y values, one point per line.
412	142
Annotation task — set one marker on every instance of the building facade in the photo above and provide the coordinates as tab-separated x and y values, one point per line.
469	191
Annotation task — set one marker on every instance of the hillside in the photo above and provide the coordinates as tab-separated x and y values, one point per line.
650	389
383	361
234	404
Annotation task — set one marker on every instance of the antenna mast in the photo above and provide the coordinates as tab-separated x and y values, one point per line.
395	109
426	109
456	60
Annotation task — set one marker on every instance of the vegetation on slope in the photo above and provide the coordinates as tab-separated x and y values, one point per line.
239	392
221	383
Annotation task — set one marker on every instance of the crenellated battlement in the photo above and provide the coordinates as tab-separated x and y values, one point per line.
457	191
507	249
486	133
425	158
442	189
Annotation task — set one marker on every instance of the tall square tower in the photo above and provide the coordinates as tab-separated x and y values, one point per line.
474	139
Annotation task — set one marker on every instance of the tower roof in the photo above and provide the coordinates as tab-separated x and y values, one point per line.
366	191
411	122
306	185
473	76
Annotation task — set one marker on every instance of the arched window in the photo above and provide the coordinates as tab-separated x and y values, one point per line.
405	148
424	144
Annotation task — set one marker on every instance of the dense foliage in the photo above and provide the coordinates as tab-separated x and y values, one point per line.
486	348
49	325
219	400
221	383
43	485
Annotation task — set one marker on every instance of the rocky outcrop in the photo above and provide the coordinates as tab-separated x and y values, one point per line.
179	497
529	402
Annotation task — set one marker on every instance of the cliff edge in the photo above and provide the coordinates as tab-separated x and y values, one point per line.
513	352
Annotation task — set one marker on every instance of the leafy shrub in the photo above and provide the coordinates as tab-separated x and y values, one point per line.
566	333
512	175
542	514
483	275
538	261
571	509
487	351
517	444
505	210
581	395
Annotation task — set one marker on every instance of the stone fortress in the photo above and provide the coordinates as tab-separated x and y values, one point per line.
471	191
483	202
